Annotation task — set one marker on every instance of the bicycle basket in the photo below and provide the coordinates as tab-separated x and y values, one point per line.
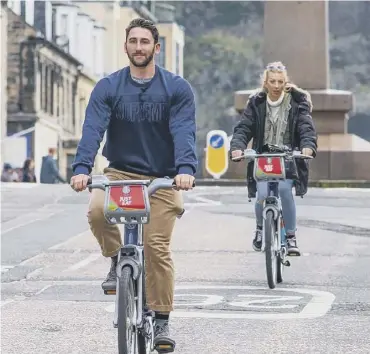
127	204
269	168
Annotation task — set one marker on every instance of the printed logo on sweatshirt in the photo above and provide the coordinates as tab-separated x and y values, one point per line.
142	111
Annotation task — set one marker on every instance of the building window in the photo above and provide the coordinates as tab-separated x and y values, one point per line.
46	87
177	58
41	73
53	24
161	57
94	54
23	10
52	95
64	25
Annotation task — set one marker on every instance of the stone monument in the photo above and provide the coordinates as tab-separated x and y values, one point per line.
296	33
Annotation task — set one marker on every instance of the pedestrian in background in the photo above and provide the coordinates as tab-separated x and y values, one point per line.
29	171
49	171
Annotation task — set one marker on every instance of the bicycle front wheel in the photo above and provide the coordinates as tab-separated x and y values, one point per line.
144	336
126	313
270	249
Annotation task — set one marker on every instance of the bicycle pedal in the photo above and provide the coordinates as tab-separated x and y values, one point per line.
294	254
110	292
165	347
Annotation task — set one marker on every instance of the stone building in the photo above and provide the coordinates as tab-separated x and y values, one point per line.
3	74
48	86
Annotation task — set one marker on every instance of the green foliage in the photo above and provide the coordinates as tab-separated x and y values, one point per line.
216	64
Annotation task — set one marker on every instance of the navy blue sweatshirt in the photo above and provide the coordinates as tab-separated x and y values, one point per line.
150	127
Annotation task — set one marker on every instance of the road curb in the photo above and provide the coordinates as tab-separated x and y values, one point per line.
317	184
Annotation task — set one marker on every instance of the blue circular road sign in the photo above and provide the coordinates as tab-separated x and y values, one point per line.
216	141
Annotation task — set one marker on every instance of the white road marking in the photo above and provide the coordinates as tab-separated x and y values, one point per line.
32	217
18	185
34	273
29	260
6	268
91	258
207	200
43	289
210	300
69	240
255	300
318	306
5	302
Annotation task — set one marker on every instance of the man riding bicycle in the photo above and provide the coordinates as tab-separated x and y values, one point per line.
279	113
149	116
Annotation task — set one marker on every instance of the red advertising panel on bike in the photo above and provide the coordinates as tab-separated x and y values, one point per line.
127	197
269	168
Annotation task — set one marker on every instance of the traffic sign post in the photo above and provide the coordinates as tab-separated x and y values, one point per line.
217	160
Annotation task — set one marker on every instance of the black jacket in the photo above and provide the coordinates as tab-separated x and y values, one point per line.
252	125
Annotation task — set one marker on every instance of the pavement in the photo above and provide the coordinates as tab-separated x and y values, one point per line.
51	270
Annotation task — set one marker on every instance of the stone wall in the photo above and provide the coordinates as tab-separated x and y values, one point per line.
3	73
18	31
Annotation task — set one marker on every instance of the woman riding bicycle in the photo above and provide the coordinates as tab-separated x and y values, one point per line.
278	113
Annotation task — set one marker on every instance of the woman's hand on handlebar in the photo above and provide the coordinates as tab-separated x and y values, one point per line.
307	151
79	182
236	154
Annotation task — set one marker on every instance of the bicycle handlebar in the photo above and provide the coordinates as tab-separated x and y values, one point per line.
102	182
252	154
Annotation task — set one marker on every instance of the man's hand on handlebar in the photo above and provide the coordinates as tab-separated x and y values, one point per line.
184	182
79	182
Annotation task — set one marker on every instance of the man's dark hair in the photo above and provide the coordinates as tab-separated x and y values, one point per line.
143	23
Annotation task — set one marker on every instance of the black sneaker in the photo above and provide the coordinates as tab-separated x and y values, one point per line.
257	241
110	281
292	246
162	341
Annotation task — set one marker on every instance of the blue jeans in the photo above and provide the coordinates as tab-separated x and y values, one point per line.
287	204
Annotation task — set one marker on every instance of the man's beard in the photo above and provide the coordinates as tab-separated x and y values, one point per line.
143	64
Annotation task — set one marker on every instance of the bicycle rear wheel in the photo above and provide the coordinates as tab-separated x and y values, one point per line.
271	248
126	312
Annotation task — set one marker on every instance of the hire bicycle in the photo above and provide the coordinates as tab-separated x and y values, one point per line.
127	202
270	167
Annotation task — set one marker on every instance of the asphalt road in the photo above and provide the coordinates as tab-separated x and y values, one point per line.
52	270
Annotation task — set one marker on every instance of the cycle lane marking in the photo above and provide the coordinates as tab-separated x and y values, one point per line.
317	306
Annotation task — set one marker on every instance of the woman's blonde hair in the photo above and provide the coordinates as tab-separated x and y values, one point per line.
279	67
